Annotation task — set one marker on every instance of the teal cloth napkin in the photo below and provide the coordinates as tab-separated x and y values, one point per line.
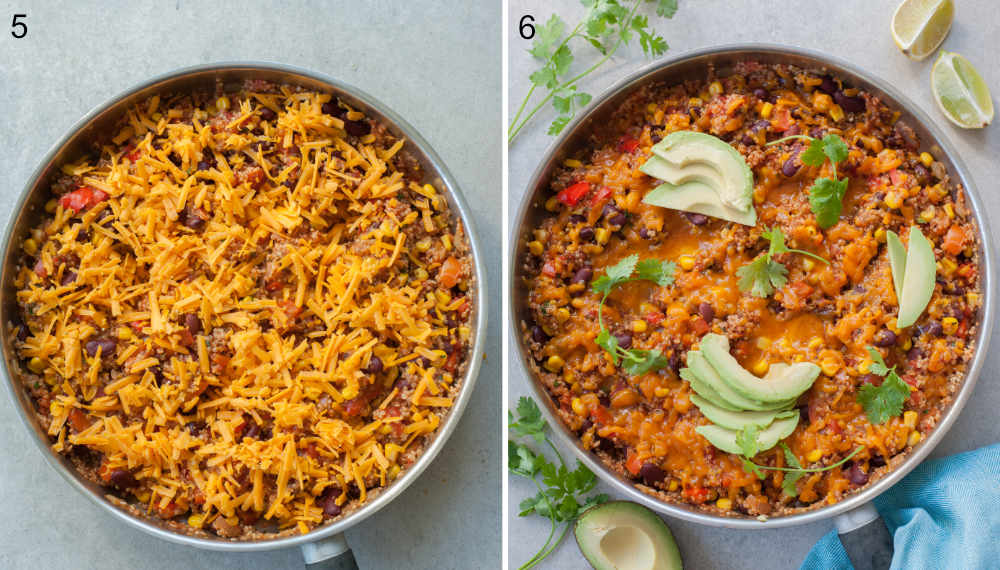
944	514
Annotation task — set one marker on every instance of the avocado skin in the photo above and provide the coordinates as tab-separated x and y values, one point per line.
780	385
596	521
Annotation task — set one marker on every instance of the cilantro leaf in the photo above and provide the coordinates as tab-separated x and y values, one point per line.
608	342
878	365
531	423
546	37
522	460
659	272
666	8
826	200
788	483
776	241
886	401
834	148
751	467
622	270
814	155
795	471
762	276
746	439
558	125
639	362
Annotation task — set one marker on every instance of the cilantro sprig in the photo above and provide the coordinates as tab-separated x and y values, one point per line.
634	361
764	275
607	26
826	195
747	440
562	499
885	401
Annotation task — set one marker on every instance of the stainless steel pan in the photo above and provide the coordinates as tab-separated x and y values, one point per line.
854	511
324	546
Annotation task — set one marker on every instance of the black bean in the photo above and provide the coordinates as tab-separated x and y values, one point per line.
106	345
877	461
577	219
932	328
194	222
193	323
706	311
761	94
906	135
357	128
329	502
792	130
251	429
610	210
849	104
624	340
817	132
374	365
267	114
587	234
122	479
828	86
922	175
675	362
332	108
69	276
175	159
538	335
790	168
747	140
644	233
617	220
83	236
885	338
760	125
857	475
869	379
203	165
651	473
914	354
696	219
582	275
22	332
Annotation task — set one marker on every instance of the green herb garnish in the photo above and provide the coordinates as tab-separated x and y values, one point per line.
561	500
635	361
608	25
793	473
885	401
826	195
764	275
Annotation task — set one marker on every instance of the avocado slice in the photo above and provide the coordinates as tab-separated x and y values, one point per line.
701	368
918	279
621	535
698	198
781	384
725	439
706	391
738	420
897	261
701	157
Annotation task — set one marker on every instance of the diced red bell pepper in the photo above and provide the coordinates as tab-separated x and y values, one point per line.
628	144
82	198
571	194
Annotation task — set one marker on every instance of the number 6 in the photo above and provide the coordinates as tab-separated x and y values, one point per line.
530	33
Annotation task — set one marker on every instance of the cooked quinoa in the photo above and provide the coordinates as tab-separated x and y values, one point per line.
643	427
244	312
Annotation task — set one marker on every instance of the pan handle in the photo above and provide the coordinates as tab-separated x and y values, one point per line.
865	538
331	553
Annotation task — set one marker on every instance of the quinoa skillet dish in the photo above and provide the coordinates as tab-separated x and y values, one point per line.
245	312
752	293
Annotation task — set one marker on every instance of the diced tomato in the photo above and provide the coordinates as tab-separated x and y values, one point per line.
40	269
782	120
133	155
82	198
291	309
653	318
633	464
571	194
601	196
628	144
695	494
954	240
450	273
187	339
137	326
274	283
78	420
894	177
601	415
700	326
802	289
548	269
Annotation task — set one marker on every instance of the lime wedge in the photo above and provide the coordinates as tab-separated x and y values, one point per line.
919	26
960	91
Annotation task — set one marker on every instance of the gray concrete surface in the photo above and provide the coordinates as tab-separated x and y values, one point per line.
436	63
856	30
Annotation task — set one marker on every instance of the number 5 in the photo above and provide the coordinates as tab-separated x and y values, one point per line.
15	25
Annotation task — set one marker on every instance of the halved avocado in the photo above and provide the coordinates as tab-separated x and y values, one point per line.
698	198
781	384
725	439
701	157
621	535
897	261
700	366
738	420
918	279
706	391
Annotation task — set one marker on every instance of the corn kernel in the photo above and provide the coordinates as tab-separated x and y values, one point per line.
910	419
562	313
972	298
222	103
55	408
928	214
355	115
893	200
926	159
602	235
694	102
915	437
50	206
808	264
947	266
646	308
949	325
36	365
443	297
552	204
578	303
836	113
578	407
430	190
535	247
124	333
661	392
715	88
880	235
420	274
30	246
765	110
425	244
763	342
908	344
446	241
724	504
572	163
761	367
830	367
814	455
686	262
639	326
673	485
554	363
816	343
